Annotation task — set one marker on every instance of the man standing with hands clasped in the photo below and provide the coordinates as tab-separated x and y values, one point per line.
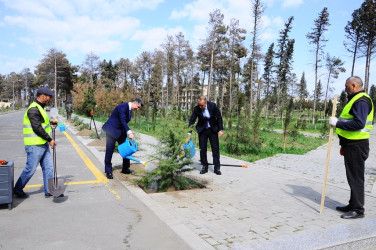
117	130
209	126
353	128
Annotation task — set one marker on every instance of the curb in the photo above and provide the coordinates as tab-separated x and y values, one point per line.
182	231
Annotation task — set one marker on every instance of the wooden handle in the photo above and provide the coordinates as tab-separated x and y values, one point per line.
328	155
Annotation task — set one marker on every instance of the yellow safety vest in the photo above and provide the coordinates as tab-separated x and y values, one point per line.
30	138
346	116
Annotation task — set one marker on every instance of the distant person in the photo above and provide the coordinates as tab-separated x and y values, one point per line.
209	126
36	130
117	130
353	128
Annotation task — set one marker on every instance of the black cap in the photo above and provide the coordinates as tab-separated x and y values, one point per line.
45	91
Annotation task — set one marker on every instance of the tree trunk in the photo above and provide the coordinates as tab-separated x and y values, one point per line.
210	72
326	93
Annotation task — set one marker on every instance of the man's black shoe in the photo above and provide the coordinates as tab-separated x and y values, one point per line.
127	171
204	170
352	215
21	194
109	176
48	195
344	208
217	172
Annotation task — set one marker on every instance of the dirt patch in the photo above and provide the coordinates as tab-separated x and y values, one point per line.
85	132
98	143
139	172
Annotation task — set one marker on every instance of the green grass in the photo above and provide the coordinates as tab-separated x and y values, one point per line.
271	142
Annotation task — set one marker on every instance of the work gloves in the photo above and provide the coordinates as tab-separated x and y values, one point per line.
333	121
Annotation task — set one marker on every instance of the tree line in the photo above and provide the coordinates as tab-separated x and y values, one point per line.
240	78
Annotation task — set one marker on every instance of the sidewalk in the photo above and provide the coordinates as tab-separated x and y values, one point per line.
273	204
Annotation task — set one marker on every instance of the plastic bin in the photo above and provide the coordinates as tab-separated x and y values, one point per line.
6	184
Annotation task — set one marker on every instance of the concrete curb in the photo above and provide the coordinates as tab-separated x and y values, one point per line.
192	239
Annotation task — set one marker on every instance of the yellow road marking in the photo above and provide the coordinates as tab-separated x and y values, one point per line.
98	174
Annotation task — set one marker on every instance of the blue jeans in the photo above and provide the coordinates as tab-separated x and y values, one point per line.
35	155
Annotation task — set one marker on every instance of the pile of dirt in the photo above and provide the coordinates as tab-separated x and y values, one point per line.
98	143
84	132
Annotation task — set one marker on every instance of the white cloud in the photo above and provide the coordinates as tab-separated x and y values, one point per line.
198	10
153	38
16	64
70	33
268	35
291	3
279	22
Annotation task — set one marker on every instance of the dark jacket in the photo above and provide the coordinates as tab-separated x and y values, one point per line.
36	120
215	121
117	124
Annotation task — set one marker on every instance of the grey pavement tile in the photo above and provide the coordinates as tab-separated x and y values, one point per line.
273	204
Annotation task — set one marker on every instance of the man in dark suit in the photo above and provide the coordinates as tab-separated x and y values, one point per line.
117	130
209	126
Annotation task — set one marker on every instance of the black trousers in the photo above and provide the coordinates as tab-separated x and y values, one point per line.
214	142
110	146
355	156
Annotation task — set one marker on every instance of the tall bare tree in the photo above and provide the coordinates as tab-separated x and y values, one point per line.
334	66
257	11
216	29
352	33
368	35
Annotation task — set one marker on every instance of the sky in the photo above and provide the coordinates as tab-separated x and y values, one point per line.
114	29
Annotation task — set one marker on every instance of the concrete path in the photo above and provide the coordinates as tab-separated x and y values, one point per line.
273	204
94	214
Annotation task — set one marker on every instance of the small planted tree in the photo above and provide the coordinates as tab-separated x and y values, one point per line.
173	161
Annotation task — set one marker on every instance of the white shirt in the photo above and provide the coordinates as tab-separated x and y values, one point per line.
206	114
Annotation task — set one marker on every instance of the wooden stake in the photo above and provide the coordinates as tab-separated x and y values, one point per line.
328	155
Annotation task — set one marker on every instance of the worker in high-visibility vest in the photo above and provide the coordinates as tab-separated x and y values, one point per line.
353	128
37	140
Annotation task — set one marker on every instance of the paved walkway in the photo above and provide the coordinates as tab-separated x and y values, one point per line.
273	204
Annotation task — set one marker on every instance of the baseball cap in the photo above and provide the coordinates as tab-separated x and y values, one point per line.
45	91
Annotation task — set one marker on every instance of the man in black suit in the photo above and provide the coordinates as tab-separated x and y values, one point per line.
209	126
117	130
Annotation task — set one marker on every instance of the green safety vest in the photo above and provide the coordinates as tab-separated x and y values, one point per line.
346	116
30	138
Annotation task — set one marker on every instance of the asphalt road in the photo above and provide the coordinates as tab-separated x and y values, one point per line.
94	214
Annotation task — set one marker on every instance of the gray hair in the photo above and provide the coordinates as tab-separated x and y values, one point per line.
202	98
138	100
356	79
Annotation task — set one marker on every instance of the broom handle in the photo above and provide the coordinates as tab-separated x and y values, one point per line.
328	155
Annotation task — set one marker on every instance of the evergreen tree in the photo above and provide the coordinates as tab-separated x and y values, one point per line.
284	55
352	34
303	92
316	37
372	94
368	35
342	103
54	71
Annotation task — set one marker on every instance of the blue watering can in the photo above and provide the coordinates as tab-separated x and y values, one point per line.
189	148
128	148
62	127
